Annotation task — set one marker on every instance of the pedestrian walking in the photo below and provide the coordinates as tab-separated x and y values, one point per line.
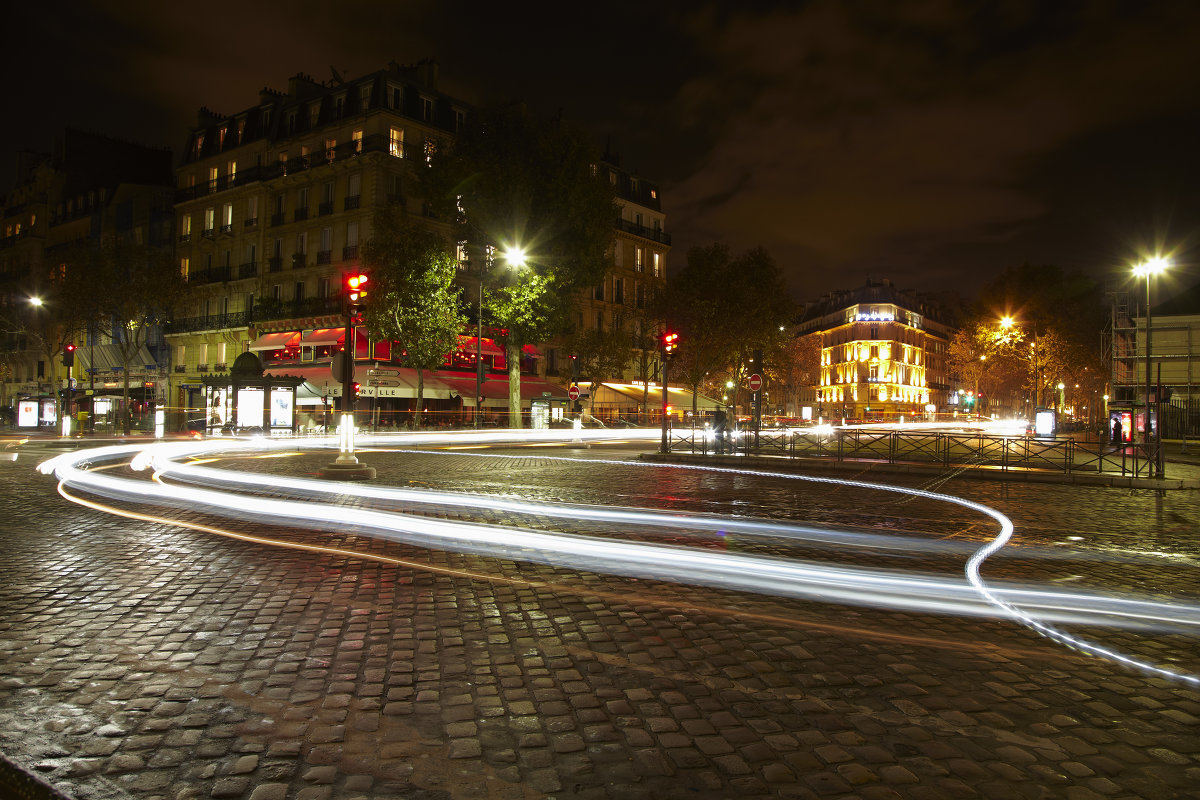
1117	433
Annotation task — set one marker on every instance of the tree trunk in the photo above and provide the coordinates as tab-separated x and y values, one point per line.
513	353
420	399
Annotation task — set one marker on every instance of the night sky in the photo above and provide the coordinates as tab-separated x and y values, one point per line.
933	143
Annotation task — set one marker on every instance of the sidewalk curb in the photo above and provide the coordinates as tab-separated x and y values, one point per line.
782	464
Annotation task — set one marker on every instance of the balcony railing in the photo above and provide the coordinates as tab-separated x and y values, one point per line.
325	209
185	237
349	252
181	368
274	264
353	202
324	257
251	222
300	214
249	270
208	233
227	228
654	234
298	260
212	322
272	309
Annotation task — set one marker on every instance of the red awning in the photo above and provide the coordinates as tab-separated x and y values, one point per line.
276	341
323	336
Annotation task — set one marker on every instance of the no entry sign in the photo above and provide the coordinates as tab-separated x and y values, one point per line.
573	393
754	382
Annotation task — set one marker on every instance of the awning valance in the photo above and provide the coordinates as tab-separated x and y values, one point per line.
276	341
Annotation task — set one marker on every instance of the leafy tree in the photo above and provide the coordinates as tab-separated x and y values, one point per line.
725	308
514	181
132	288
600	355
792	365
412	298
61	312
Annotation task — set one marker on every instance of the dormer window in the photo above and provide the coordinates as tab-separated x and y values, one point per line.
339	106
364	96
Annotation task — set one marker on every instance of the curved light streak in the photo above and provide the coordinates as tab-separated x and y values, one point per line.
735	570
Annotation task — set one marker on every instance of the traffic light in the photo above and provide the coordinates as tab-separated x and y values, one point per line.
670	342
355	389
69	355
356	293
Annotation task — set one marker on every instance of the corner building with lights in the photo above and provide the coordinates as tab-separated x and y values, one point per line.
273	204
883	356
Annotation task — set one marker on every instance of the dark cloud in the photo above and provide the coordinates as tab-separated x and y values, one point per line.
935	142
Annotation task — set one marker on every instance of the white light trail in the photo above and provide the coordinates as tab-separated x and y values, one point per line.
818	581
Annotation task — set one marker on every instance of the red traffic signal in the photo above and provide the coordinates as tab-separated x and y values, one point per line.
670	342
356	292
69	355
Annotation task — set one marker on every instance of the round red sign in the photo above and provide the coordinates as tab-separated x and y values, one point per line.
755	382
573	393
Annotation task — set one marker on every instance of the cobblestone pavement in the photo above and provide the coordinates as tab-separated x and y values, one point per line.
141	659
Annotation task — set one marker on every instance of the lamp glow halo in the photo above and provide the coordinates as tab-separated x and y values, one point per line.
1035	607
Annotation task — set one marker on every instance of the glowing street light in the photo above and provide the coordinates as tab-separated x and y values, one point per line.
1147	270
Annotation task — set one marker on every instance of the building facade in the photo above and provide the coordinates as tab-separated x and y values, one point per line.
883	355
274	203
92	189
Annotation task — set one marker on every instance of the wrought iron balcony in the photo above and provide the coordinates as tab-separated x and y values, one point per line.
353	202
349	252
324	257
325	208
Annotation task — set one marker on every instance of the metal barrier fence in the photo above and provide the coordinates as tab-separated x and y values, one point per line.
945	449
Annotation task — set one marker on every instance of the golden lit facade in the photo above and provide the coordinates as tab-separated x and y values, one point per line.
880	358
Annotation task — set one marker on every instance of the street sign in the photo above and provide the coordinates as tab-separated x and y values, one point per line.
573	393
377	381
381	372
754	382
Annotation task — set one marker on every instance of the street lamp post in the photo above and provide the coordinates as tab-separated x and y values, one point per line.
1147	270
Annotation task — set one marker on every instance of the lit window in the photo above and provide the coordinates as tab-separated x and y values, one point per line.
357	138
330	149
210	218
185	225
199	148
183	267
213	174
396	142
227	215
231	170
639	259
657	264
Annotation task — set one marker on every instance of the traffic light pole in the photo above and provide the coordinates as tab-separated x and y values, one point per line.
347	466
666	445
